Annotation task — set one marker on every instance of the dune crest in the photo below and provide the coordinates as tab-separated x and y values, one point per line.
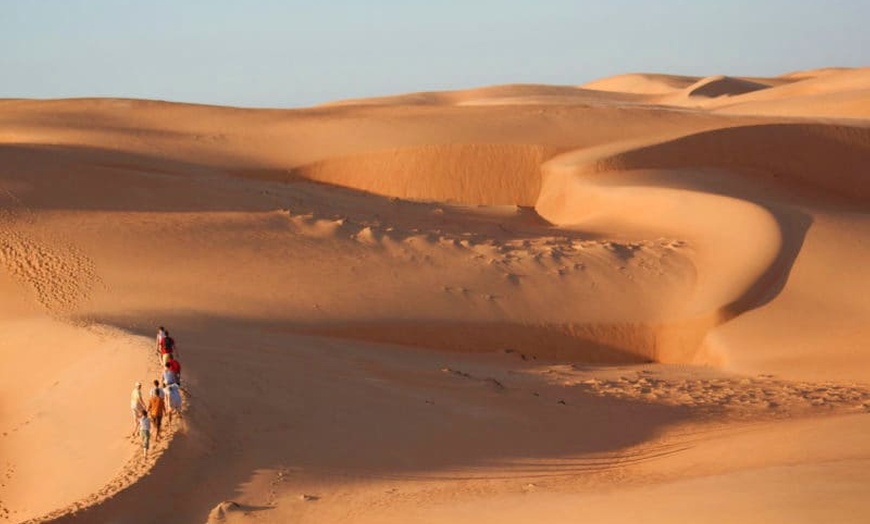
642	83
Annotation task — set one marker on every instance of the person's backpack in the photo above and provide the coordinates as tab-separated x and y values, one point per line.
168	345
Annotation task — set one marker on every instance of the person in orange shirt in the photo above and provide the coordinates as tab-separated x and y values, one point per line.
156	408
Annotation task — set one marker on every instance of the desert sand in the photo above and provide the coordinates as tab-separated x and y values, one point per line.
643	299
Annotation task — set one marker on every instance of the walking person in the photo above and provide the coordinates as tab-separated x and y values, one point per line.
169	376
174	395
175	366
156	390
137	405
145	431
167	349
161	338
156	408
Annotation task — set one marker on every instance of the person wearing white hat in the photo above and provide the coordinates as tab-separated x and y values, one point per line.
137	404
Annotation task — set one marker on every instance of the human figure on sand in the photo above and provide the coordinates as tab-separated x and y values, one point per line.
165	345
163	400
175	366
173	395
156	408
161	335
145	431
137	405
169	376
156	390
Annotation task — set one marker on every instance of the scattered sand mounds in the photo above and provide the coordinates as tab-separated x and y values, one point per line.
59	275
712	394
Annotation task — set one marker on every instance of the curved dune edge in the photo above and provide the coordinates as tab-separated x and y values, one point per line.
611	185
131	473
820	157
49	279
587	187
652	181
113	360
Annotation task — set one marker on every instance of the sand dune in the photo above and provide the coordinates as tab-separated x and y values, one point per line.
823	93
642	83
516	94
716	86
502	304
839	93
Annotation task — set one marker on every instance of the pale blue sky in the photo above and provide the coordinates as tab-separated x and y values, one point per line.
295	53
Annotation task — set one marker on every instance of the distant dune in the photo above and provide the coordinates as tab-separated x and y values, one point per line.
643	84
716	86
644	295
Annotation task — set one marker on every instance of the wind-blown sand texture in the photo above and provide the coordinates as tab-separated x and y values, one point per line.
646	299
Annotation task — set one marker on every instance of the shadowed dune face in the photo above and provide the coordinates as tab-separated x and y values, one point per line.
480	174
716	86
825	158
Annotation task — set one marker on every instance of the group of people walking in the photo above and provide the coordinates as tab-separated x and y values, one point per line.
164	397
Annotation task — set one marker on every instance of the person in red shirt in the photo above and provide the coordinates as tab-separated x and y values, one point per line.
167	348
174	366
161	336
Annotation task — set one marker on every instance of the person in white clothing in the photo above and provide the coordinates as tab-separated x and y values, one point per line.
157	391
174	394
145	430
137	404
